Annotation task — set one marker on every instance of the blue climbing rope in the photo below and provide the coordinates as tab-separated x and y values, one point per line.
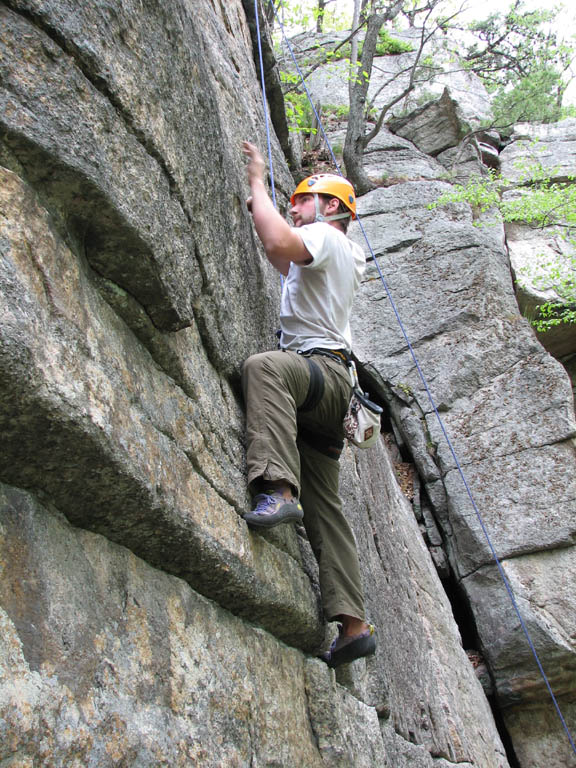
413	355
265	106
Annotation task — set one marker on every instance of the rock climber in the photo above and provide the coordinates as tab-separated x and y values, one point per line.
297	396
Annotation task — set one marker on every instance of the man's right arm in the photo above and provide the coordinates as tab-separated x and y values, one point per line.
281	243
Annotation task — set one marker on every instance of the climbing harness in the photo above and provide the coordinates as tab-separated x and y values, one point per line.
362	422
416	363
315	387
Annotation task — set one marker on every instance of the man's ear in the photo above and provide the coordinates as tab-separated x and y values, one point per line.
332	206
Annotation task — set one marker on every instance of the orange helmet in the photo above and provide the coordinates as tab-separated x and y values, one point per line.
328	184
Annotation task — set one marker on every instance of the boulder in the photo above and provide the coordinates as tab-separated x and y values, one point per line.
552	146
390	159
472	158
464	162
490	144
542	583
540	258
398	159
434	127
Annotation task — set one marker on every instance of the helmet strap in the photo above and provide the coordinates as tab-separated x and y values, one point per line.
321	217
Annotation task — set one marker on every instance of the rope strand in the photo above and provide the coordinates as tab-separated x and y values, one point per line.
264	102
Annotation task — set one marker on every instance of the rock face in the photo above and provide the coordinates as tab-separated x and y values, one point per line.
553	146
142	623
488	377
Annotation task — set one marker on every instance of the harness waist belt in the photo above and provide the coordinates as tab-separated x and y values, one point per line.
340	355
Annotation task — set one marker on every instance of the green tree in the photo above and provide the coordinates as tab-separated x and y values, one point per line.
507	45
522	63
372	16
534	98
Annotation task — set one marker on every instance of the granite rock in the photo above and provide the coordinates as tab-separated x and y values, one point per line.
488	377
142	622
552	146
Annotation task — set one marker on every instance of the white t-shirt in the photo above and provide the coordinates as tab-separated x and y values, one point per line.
317	297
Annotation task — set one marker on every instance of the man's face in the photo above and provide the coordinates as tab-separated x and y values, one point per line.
304	211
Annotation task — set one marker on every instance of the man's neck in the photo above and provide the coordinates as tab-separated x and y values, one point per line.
337	225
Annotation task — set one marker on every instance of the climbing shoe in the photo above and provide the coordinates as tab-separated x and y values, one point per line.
345	649
272	508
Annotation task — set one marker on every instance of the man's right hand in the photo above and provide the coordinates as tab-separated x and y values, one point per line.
255	166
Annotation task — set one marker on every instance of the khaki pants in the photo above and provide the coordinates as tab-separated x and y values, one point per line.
275	385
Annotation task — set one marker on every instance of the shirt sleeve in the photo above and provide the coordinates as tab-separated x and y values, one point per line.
316	238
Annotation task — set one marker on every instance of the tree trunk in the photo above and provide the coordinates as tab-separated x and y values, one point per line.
355	143
320	18
358	90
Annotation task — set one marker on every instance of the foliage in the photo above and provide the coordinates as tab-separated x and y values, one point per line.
299	112
542	203
386	46
335	111
391	46
480	193
553	313
560	276
522	63
531	99
547	204
341	53
302	15
507	46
